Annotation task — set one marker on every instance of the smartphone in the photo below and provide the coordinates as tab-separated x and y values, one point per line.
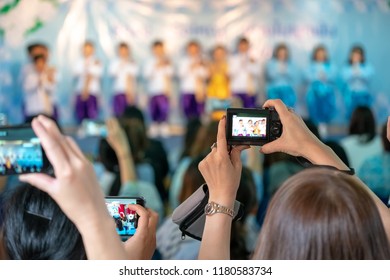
126	220
21	151
252	126
93	128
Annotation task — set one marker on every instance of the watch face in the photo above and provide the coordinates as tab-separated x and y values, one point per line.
208	209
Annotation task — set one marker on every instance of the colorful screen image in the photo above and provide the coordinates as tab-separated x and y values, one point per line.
125	219
249	126
20	156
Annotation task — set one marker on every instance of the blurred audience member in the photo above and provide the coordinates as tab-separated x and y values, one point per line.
35	228
88	72
375	171
320	96
192	74
280	76
357	76
362	141
243	73
123	70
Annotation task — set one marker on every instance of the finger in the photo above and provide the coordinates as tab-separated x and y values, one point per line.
74	148
272	147
54	151
279	106
41	181
221	137
143	219
235	155
153	220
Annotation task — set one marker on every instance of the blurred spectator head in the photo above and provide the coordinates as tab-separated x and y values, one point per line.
36	228
192	179
362	123
88	48
322	214
320	54
193	48
281	52
132	112
136	134
385	141
357	55
192	128
205	137
35	49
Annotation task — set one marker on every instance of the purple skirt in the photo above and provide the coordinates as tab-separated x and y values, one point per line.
119	104
191	108
159	108
248	101
86	109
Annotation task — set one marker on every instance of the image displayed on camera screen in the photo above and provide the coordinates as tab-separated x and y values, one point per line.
125	219
20	156
249	126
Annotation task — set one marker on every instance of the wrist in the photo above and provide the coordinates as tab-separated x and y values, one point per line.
224	200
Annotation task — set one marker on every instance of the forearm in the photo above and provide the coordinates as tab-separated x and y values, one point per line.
101	240
127	168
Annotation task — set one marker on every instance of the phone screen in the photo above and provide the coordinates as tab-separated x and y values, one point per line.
20	151
126	220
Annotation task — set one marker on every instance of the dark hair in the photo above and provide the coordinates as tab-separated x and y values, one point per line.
31	47
357	49
242	40
192	129
157	43
132	112
363	123
136	135
39	57
278	48
316	50
385	141
246	194
192	179
205	137
123	45
322	214
36	228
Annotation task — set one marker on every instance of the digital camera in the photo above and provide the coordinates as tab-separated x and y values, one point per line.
252	126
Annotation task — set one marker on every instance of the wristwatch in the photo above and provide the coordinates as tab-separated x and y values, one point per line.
212	208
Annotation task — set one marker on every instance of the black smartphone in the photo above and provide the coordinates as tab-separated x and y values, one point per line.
126	220
21	151
252	126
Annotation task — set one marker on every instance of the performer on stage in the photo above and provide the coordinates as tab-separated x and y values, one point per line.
87	72
158	75
279	76
124	72
357	77
218	90
243	71
320	97
192	74
39	84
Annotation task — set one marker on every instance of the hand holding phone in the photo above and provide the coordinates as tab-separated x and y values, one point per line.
21	151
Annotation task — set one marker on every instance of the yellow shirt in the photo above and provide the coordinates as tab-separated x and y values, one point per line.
218	86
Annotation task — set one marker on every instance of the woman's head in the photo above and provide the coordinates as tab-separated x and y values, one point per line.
363	123
192	179
193	126
356	55
205	137
322	214
36	228
281	52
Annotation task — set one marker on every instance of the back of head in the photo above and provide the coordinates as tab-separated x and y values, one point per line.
132	112
363	123
193	126
385	141
322	214
35	228
205	137
192	179
136	135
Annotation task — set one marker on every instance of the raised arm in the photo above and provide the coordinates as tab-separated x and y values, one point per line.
222	173
297	140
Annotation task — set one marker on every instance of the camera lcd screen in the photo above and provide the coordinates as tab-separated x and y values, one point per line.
20	152
247	125
126	220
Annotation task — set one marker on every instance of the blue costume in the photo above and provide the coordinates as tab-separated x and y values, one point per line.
279	77
357	90
320	96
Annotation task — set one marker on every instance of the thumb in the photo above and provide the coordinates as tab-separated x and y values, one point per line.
271	147
40	181
235	155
